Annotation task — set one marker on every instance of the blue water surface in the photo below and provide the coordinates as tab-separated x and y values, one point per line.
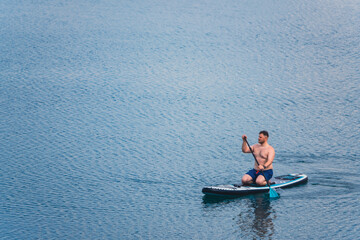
115	114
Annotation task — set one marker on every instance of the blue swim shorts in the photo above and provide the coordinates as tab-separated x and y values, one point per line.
254	174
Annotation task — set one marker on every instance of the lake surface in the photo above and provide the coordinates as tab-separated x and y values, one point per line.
115	114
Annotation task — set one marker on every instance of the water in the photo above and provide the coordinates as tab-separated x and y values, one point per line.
115	114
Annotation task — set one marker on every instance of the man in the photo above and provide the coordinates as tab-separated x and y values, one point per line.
265	155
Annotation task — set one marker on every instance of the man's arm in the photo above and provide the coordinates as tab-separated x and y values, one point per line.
245	147
270	158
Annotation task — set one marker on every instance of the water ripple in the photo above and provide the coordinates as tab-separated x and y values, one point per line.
115	114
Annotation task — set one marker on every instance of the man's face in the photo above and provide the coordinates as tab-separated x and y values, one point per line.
261	138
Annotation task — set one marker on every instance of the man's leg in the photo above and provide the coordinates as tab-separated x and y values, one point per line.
260	180
247	179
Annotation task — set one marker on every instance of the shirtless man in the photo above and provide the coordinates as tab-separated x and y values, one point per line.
265	155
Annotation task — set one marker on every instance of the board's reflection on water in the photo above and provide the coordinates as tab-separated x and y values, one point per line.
255	218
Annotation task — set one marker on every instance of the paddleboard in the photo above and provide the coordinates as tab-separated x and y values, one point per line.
283	181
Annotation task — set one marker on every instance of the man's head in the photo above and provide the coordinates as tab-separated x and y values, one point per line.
263	137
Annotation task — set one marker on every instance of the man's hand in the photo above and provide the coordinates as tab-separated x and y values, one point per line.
261	167
244	137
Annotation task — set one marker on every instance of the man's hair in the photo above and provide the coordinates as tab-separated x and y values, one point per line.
265	133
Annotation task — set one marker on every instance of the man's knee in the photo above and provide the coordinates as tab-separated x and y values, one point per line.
260	181
246	179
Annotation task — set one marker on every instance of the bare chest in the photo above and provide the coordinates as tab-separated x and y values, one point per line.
261	152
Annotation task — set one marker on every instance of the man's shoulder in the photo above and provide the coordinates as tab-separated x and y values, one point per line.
271	148
267	147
